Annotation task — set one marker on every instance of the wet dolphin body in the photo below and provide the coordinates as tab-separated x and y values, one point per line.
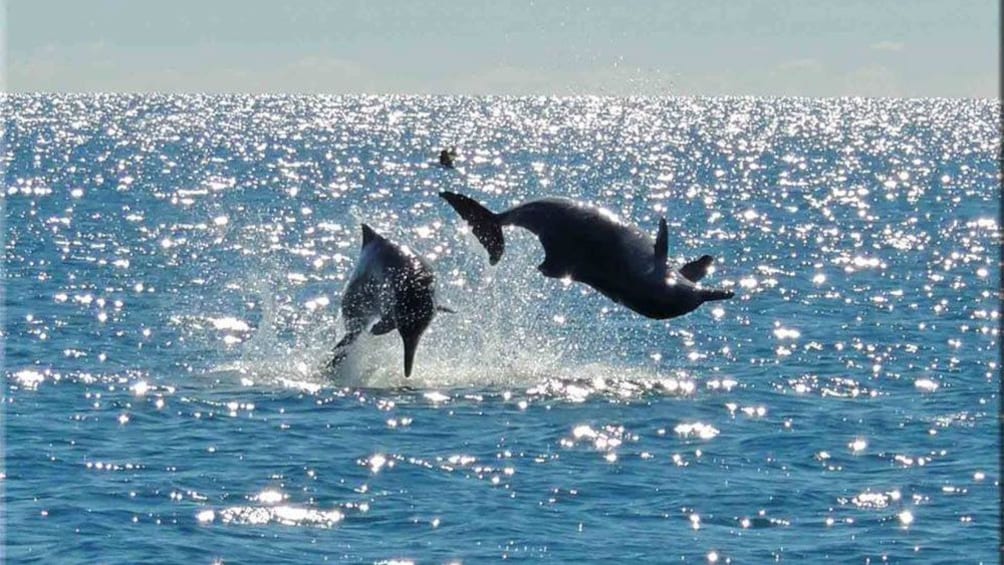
594	247
391	288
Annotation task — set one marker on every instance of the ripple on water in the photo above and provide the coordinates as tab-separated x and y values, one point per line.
173	272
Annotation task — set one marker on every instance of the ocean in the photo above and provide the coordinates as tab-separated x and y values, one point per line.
173	266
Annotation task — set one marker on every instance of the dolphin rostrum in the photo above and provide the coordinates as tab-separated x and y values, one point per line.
592	246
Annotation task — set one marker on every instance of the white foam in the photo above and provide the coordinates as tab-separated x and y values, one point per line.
497	338
229	323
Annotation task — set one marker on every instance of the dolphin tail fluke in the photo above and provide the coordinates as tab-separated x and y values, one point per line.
484	223
341	350
716	294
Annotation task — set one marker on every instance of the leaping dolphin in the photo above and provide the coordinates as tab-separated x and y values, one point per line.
390	288
592	246
447	157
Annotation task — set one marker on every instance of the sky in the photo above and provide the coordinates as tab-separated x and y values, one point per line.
817	48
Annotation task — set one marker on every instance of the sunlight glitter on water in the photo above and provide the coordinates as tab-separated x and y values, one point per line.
199	269
697	429
283	515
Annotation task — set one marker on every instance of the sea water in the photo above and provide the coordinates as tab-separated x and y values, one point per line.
172	273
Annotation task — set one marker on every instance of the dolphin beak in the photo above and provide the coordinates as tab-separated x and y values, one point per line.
716	294
410	345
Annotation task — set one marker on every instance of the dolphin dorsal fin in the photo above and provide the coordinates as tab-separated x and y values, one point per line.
368	234
661	246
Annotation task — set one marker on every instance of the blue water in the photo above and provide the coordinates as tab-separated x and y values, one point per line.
173	267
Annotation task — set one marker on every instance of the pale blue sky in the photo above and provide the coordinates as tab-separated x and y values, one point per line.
910	48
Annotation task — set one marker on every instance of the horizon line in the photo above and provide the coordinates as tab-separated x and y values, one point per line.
5	92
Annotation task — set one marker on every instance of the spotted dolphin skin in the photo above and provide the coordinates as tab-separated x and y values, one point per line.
592	246
391	288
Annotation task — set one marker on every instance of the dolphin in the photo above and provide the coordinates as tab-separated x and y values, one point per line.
446	157
592	246
390	288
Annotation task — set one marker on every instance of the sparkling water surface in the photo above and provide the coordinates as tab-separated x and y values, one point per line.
172	273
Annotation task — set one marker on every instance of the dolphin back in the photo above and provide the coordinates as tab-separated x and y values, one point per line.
484	223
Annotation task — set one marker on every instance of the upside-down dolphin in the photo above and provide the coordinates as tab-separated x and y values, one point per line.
390	288
592	246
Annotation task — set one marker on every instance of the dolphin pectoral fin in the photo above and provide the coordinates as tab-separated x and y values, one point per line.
447	309
661	247
695	270
385	325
